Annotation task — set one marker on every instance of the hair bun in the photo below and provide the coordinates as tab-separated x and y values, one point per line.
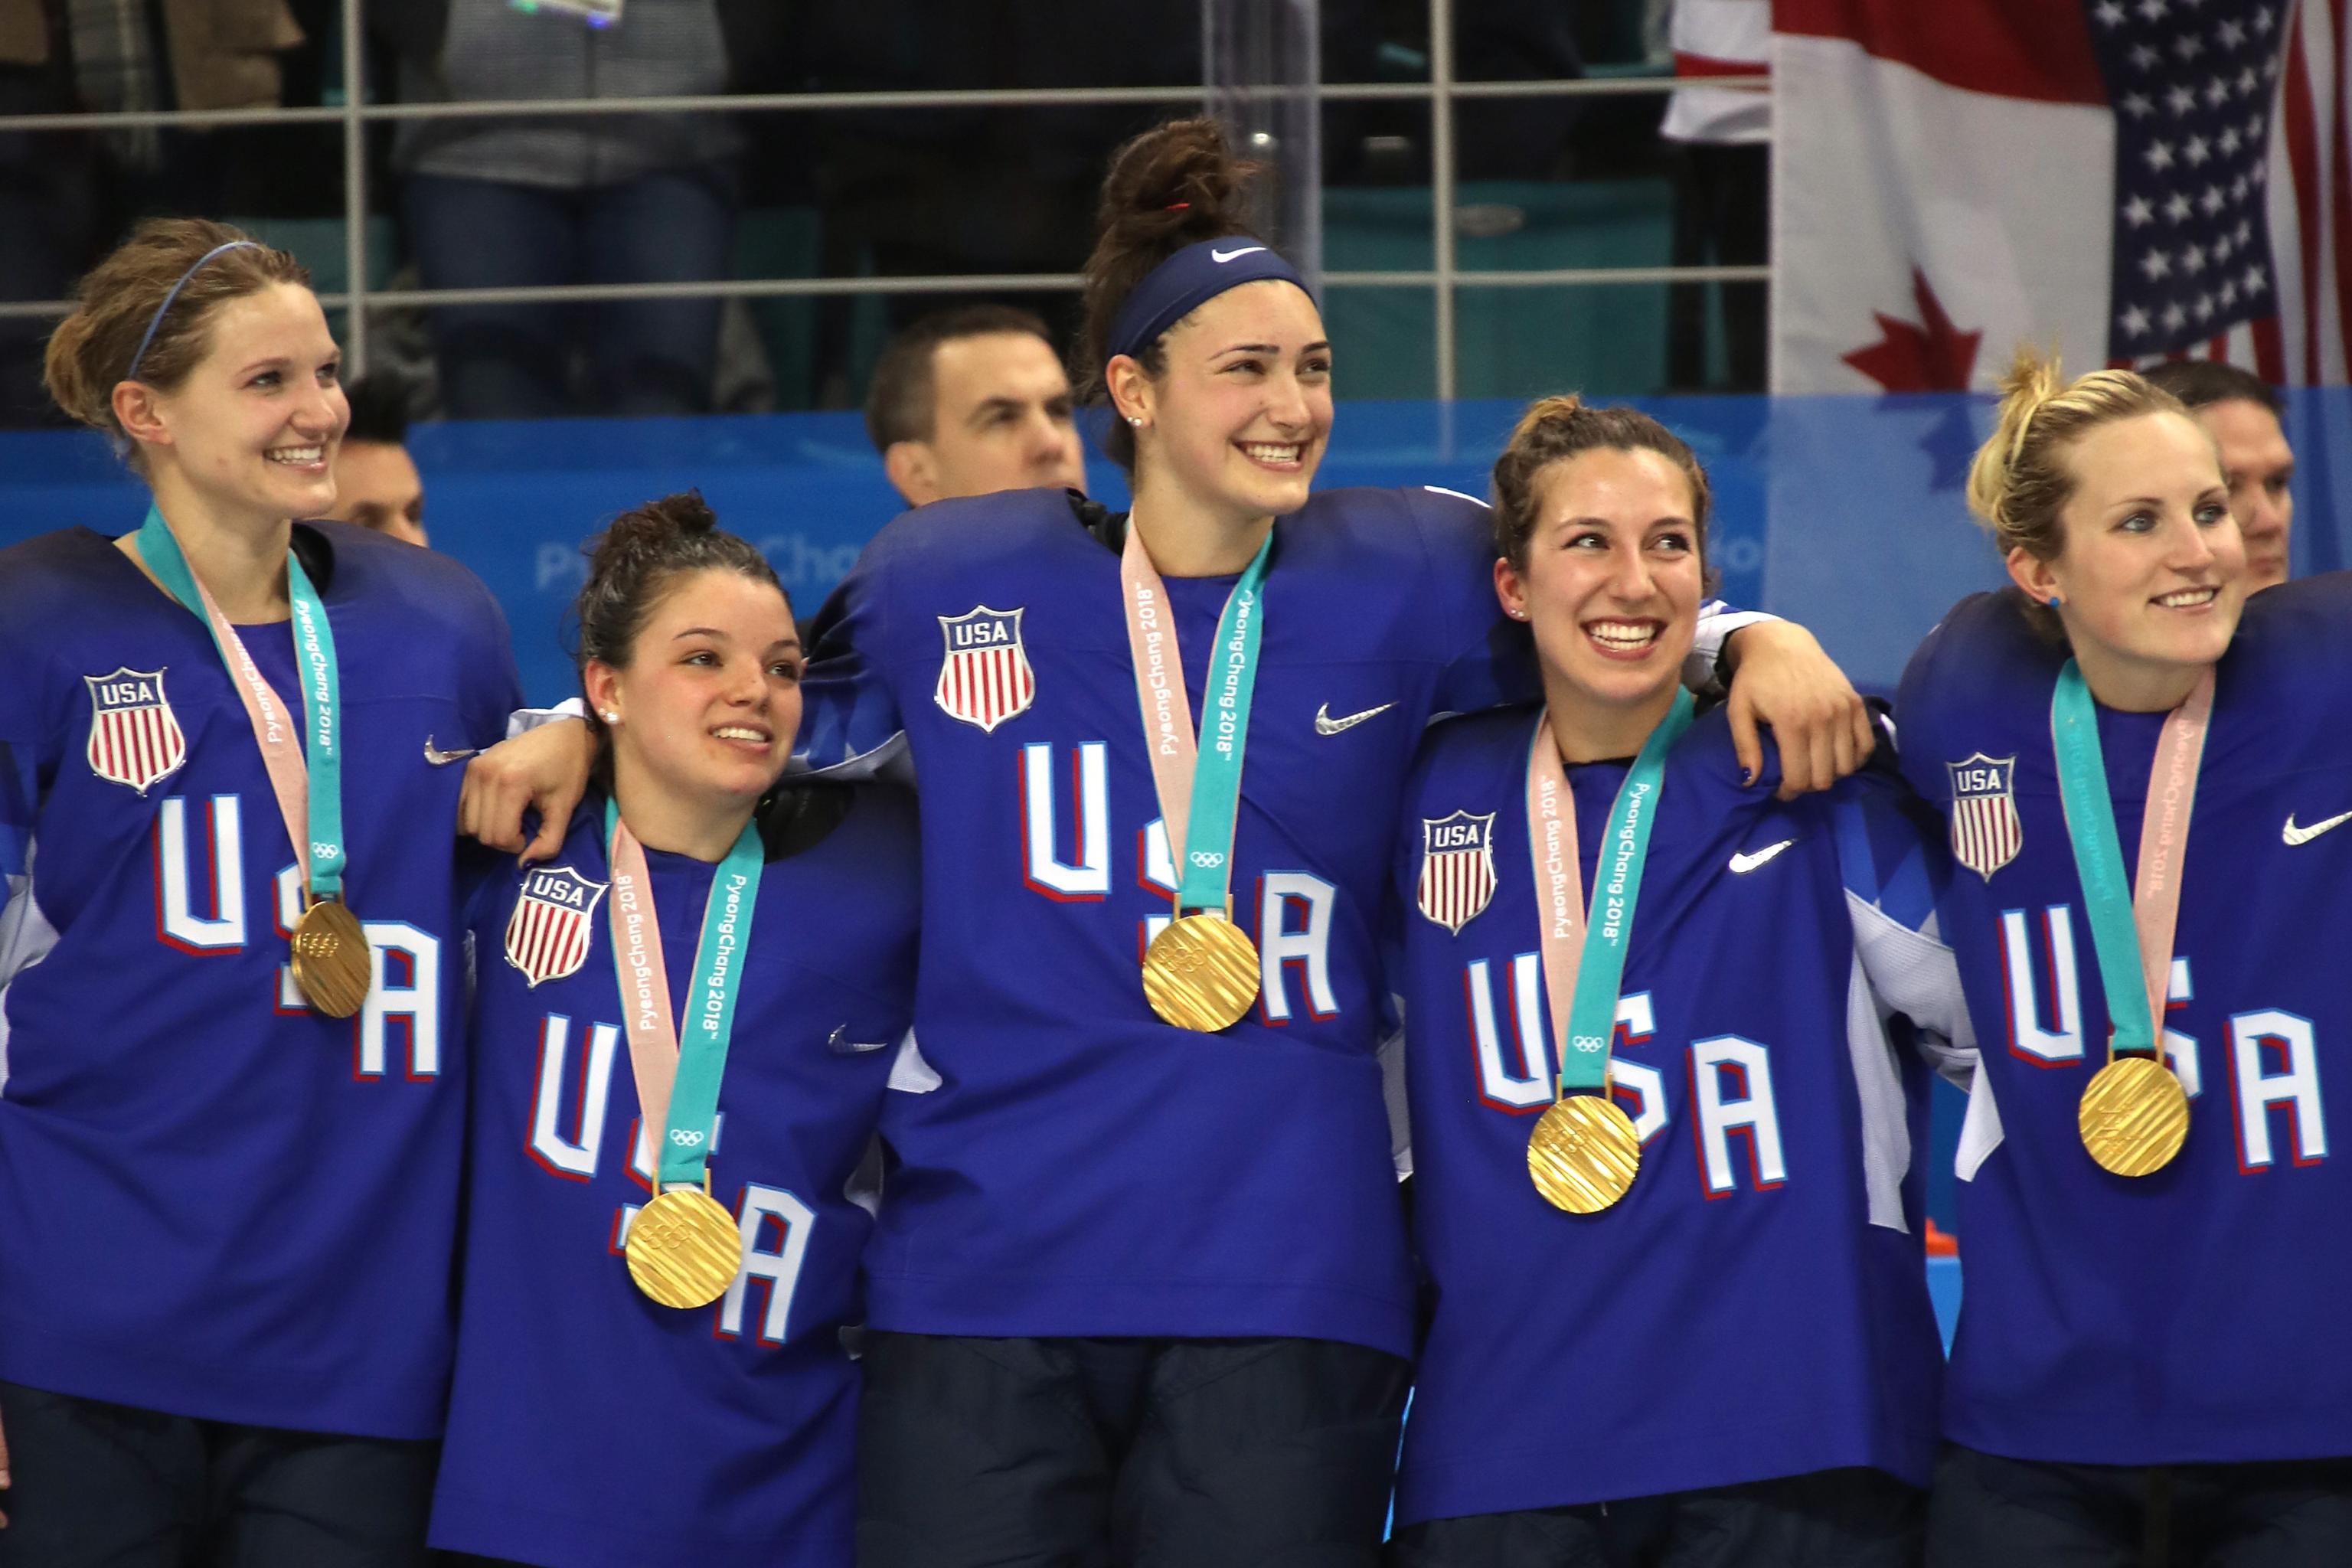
1176	184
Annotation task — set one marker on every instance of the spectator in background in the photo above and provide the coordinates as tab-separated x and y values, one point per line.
1722	181
970	402
376	482
513	202
2247	420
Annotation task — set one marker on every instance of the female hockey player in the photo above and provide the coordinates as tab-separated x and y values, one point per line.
2148	912
231	1129
1665	1186
684	1024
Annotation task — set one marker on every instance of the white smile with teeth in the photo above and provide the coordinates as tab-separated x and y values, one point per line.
301	456
2187	598
1626	635
1267	452
738	733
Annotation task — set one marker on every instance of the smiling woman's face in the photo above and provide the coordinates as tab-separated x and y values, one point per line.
1238	421
710	698
2151	574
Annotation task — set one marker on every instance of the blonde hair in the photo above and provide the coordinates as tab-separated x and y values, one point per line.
2022	479
1555	430
130	294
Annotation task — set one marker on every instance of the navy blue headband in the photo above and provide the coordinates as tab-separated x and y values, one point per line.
1191	279
157	318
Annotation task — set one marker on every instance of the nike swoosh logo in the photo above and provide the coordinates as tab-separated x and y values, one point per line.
839	1045
1326	725
1221	257
441	759
1744	862
2294	835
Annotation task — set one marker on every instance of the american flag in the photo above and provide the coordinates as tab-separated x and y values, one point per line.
549	933
1457	868
2194	83
984	674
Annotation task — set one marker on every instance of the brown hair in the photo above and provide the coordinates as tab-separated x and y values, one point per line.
1555	430
2021	479
92	349
1176	184
631	565
901	403
2203	383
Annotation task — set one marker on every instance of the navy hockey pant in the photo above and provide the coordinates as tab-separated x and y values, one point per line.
1993	1513
1138	1453
1830	1519
110	1486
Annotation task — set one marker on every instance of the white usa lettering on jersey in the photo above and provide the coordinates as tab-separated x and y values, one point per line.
1732	1103
2273	1058
772	1222
405	987
1072	864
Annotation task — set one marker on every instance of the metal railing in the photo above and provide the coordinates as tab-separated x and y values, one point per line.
1441	91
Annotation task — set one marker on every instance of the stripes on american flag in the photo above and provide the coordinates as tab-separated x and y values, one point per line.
134	737
985	678
548	939
1456	884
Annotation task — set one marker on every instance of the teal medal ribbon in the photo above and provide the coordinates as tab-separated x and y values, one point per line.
707	1024
1205	871
1617	887
314	647
2099	861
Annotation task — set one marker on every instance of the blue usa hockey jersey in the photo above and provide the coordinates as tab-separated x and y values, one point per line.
213	1201
589	1425
1084	1168
2192	1315
1756	1305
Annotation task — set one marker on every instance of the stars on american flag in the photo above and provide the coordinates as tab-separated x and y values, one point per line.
2192	255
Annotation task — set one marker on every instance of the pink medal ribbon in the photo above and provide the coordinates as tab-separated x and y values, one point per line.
2163	843
1558	879
644	975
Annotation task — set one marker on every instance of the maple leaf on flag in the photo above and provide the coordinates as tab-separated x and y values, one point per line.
1934	356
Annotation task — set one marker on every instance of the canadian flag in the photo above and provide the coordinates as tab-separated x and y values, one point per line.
2127	180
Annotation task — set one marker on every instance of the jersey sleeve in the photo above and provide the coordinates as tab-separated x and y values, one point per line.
850	723
1895	866
20	788
1487	660
1716	622
496	689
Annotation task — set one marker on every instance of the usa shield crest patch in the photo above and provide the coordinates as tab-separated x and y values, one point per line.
1457	868
985	678
547	935
135	738
1985	832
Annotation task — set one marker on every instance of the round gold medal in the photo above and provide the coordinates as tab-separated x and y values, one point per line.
331	964
1583	1155
2134	1117
1201	972
684	1248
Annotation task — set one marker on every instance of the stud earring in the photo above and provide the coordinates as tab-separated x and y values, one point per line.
609	717
2055	601
1136	420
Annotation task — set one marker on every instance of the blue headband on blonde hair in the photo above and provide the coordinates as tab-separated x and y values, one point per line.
164	308
1191	279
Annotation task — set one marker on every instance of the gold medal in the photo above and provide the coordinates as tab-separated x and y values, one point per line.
331	963
685	1248
2134	1117
1200	974
1583	1155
